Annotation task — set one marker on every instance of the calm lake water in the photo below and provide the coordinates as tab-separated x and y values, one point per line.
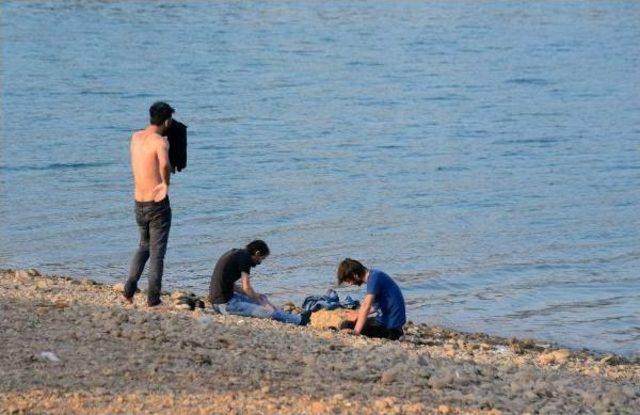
486	156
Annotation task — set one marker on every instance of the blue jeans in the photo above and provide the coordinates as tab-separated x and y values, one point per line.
154	222
241	305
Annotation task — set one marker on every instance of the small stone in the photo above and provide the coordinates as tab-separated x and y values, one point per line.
21	274
422	361
612	360
42	284
33	272
183	306
389	375
203	360
119	287
319	407
414	408
444	409
554	357
562	355
441	379
204	320
516	346
50	357
176	295
291	308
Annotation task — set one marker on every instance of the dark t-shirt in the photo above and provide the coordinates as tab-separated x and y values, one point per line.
226	273
387	298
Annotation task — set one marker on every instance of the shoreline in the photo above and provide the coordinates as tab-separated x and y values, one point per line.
73	346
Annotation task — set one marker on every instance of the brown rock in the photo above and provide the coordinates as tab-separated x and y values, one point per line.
319	407
444	409
335	319
177	295
441	379
291	308
390	375
183	306
554	357
21	274
414	408
612	360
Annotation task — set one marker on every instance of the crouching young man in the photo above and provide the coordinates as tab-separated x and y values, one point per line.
241	299
383	294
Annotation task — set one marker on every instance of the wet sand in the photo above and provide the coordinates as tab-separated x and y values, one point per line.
73	346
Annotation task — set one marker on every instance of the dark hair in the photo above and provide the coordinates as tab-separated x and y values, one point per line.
160	112
258	246
350	271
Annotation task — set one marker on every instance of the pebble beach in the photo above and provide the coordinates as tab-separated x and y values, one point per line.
71	345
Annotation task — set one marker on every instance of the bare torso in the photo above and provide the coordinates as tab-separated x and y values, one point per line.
149	154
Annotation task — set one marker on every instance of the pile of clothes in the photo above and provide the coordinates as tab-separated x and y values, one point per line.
329	301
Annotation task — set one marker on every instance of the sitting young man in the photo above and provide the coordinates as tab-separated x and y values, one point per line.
383	293
241	299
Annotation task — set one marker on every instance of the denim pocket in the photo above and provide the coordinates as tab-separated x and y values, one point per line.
160	214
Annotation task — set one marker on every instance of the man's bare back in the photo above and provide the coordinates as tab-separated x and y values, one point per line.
150	164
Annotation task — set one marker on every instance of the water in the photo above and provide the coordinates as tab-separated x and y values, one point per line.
486	156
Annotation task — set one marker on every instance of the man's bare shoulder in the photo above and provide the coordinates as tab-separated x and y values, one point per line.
150	137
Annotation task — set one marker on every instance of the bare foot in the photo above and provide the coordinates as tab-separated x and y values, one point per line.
128	300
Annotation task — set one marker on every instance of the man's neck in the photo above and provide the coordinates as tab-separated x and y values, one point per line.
366	276
157	129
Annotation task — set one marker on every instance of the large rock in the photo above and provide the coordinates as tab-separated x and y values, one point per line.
331	319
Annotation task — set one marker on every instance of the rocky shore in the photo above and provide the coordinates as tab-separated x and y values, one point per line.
73	346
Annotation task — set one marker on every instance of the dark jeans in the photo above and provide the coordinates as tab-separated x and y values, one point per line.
374	329
154	222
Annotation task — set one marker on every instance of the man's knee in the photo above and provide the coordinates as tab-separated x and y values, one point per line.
158	248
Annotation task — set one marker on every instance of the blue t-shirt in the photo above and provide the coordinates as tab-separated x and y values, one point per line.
387	298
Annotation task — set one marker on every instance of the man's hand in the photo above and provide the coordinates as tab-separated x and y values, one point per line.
351	315
160	192
264	301
363	313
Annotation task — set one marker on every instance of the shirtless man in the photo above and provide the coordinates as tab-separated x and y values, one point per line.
151	169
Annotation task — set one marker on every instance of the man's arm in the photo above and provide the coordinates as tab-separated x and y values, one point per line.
163	161
363	313
164	166
248	290
246	287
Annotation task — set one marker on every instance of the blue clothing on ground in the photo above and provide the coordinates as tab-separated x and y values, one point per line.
329	301
388	299
242	305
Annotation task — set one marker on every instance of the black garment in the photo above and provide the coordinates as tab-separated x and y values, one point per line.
154	222
226	272
372	328
177	136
